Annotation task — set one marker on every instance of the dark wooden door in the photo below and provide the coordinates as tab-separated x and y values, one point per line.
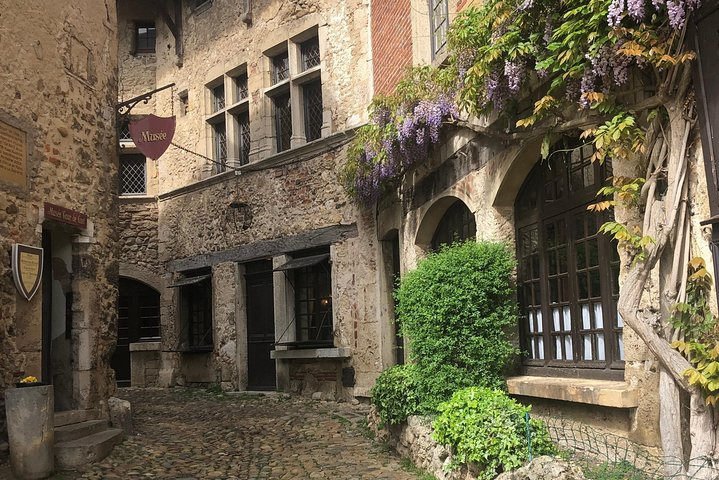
138	320
260	325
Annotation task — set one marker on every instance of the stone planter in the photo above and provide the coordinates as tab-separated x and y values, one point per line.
31	434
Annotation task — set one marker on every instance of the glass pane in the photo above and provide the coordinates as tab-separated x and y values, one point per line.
538	313
620	320
586	320
587	343
558	348
595	285
552	263
540	348
600	347
598	317
620	341
530	321
564	282
553	290
581	256
583	286
568	347
593	248
556	319
534	351
588	175
567	314
562	252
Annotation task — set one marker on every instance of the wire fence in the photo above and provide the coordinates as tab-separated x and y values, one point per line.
604	455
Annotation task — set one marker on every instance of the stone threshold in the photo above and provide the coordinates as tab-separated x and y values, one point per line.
145	347
338	352
606	393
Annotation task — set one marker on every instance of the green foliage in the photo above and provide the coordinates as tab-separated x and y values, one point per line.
395	394
614	471
699	326
486	427
455	310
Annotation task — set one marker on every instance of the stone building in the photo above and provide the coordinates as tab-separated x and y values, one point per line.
58	174
243	262
583	364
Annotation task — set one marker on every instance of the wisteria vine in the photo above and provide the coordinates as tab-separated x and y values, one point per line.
570	51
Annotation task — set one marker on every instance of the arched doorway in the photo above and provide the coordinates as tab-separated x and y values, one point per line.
568	273
138	321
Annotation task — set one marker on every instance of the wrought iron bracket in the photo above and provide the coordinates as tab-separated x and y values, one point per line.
124	108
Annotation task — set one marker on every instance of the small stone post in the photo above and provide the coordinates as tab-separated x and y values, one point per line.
30	424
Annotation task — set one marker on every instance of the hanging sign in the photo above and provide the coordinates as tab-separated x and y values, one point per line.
27	269
152	135
65	215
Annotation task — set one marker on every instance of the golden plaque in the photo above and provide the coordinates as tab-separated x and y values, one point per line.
27	269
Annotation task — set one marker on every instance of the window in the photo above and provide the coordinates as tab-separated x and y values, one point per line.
313	303
439	23
280	67
302	94
229	119
219	136
457	225
145	37
196	311
133	174
123	133
567	273
283	121
184	97
312	100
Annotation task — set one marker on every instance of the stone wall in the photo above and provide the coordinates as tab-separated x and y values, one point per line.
60	88
145	364
138	233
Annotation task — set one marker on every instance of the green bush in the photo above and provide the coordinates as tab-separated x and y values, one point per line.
486	427
455	310
395	394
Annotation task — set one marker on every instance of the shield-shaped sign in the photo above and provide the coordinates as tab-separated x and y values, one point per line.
152	135
27	269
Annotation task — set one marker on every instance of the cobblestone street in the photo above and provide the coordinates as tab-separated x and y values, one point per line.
194	434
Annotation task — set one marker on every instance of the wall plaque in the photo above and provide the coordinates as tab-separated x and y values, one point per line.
27	269
13	155
65	215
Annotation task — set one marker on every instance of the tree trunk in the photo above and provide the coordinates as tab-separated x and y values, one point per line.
703	435
670	423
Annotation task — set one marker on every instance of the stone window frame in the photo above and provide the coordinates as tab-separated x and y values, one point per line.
438	9
299	80
234	113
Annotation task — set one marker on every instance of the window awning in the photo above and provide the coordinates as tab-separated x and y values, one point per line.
302	262
189	281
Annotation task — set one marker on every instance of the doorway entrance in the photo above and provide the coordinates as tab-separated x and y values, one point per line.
260	325
138	320
57	298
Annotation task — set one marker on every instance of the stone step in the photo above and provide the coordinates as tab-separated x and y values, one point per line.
92	448
69	417
73	431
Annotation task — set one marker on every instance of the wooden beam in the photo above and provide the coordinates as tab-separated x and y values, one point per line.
267	248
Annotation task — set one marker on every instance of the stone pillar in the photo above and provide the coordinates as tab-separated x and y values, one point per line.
284	313
224	291
30	422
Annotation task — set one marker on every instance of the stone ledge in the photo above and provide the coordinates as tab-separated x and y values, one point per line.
145	346
607	393
338	352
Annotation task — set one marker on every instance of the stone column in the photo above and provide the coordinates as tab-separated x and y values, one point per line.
30	424
284	313
224	292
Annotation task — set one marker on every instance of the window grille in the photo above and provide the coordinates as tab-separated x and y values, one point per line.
283	121
132	175
280	67
310	53
145	38
243	125
312	96
218	98
124	131
439	22
220	147
241	87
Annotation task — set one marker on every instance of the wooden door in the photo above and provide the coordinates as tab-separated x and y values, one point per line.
260	325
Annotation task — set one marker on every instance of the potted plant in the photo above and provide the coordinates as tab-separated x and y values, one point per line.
29	381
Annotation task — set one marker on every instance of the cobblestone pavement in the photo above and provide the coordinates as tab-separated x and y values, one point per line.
195	434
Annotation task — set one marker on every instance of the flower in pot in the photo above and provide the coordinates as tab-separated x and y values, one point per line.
29	381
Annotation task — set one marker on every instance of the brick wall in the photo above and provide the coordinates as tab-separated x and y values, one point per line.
391	42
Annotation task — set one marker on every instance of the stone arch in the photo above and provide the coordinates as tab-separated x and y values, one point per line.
432	219
511	173
143	275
